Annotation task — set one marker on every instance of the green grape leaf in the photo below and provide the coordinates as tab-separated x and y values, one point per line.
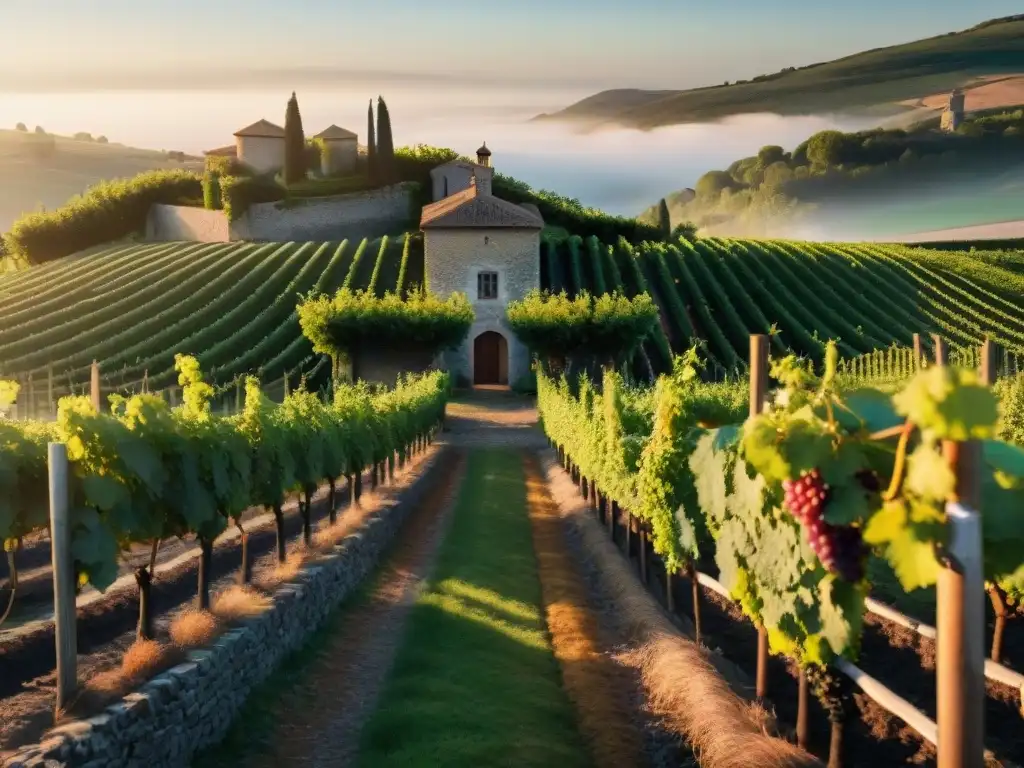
929	474
761	448
867	409
805	446
847	504
886	524
143	461
841	607
840	466
949	404
907	532
708	467
105	492
1006	459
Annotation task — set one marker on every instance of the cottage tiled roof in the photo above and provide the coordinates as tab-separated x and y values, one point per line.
262	129
334	133
469	210
229	151
465	164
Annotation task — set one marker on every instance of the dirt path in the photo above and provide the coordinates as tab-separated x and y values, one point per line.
320	720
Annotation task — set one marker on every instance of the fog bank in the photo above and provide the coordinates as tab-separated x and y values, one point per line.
619	170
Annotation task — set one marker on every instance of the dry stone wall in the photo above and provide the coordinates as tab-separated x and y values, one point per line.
354	216
190	707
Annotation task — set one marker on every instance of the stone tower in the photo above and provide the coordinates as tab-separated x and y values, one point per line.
953	116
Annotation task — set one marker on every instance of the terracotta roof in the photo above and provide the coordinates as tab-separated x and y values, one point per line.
229	151
262	129
468	210
334	133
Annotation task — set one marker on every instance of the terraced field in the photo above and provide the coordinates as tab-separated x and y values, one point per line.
232	304
868	296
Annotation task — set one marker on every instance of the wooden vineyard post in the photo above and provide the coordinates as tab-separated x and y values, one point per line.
94	387
758	387
51	404
941	350
802	713
960	614
996	594
31	399
917	352
63	575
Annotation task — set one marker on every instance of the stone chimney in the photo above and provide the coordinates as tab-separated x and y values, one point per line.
481	179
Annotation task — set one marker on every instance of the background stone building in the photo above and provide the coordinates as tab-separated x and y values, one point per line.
489	249
454	176
340	151
261	146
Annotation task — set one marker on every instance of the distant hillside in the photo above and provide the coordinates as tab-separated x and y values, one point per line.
880	183
872	82
46	170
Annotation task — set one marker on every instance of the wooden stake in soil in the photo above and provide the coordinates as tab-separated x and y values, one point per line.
94	387
691	573
941	350
802	718
996	595
643	551
960	625
63	575
758	387
918	354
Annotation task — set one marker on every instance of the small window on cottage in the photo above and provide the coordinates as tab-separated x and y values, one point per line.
487	285
446	186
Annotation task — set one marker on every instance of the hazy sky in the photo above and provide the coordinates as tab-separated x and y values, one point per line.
645	43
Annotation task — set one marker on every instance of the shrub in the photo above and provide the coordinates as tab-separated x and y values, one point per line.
237	193
83	136
40	129
350	321
608	328
21	127
108	211
211	191
102	140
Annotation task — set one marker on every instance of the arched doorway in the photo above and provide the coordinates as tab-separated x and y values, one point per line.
490	358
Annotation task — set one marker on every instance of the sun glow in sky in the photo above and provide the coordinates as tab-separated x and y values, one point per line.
56	44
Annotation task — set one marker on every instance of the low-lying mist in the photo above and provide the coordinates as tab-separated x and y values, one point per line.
622	171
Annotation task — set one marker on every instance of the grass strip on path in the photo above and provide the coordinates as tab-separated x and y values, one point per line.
595	684
310	709
475	681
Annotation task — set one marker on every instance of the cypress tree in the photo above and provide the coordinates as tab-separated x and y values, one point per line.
294	144
371	144
385	143
664	220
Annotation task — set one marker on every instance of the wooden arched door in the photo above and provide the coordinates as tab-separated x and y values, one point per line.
490	358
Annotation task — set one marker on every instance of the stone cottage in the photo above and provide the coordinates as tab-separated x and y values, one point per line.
261	146
454	176
341	148
489	249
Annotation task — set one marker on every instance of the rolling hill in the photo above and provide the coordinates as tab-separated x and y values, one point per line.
33	179
871	82
132	307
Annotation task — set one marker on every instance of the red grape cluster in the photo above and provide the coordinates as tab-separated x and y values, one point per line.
838	547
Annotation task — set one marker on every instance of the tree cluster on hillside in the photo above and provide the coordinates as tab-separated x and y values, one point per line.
834	165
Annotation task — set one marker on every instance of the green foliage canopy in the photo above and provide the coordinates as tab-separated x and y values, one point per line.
609	327
353	320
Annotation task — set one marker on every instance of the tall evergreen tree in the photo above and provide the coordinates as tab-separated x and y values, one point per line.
294	143
385	142
371	144
664	220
